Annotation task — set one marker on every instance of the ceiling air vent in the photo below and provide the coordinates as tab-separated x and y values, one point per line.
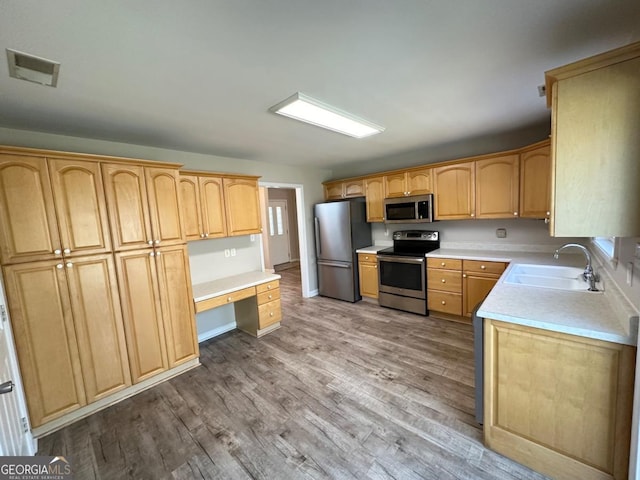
32	69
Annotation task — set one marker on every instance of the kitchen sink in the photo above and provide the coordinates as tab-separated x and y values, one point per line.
549	276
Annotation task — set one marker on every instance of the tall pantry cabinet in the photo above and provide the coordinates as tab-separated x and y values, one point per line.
66	224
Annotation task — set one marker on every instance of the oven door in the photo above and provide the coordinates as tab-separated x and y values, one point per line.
404	276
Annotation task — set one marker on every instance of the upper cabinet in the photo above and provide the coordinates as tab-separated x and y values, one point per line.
242	205
145	206
497	185
343	189
411	182
454	191
203	205
535	182
374	190
595	145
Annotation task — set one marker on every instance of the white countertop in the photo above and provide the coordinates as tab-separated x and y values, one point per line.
604	315
222	286
373	249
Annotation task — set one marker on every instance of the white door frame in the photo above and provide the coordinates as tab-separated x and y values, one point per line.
302	232
285	223
29	445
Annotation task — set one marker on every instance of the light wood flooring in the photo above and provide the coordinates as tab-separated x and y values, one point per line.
341	391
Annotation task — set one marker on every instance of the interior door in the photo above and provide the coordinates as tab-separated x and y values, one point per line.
278	218
14	440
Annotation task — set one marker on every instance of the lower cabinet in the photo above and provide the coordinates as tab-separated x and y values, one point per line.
157	307
560	404
444	285
68	333
478	278
269	309
368	271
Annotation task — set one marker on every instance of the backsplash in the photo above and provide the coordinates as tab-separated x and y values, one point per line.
618	270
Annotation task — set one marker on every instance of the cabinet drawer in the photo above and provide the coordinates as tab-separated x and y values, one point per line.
447	280
266	297
367	258
265	287
224	299
444	302
483	267
269	313
446	263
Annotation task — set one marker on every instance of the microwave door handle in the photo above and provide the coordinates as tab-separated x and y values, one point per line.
318	246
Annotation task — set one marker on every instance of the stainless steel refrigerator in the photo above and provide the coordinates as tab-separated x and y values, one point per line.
341	228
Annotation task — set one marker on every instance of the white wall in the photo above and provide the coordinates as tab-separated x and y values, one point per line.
618	270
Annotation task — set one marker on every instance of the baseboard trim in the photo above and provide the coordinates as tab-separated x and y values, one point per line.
216	331
313	293
87	410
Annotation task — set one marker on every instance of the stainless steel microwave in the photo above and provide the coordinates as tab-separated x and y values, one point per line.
418	209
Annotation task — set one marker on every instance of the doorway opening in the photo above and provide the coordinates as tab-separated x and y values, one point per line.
284	242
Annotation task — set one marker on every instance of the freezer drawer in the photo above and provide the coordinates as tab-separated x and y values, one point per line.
337	280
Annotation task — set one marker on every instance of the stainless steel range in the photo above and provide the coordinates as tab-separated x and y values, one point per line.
402	270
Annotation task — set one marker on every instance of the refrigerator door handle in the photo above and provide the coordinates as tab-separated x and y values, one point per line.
318	246
335	264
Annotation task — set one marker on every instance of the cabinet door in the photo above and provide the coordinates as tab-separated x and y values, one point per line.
497	187
176	298
368	279
95	304
241	201
395	185
535	183
374	188
142	313
28	229
454	191
191	211
126	194
419	181
80	206
212	200
353	188
474	289
164	206
45	337
334	191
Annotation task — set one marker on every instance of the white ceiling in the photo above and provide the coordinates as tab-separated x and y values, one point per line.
200	75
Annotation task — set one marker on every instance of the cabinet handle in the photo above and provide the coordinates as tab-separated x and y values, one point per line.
464	275
151	254
150	242
57	251
375	266
473	214
271	314
228	299
548	213
546	220
515	214
366	258
157	242
442	264
59	265
206	235
270	297
268	287
443	302
482	267
67	251
202	235
69	264
444	281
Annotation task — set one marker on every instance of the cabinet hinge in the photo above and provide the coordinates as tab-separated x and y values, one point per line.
3	313
25	425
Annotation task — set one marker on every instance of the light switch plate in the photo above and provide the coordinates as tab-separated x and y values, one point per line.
227	252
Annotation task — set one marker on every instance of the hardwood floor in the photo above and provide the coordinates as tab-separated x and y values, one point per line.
341	391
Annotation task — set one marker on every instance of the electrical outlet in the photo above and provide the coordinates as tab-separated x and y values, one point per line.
252	238
227	252
501	233
233	252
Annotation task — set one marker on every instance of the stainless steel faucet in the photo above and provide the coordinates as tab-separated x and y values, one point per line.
589	275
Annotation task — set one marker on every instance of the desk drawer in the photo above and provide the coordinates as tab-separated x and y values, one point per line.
220	300
265	287
266	297
449	281
444	302
269	313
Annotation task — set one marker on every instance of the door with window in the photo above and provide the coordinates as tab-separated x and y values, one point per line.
278	218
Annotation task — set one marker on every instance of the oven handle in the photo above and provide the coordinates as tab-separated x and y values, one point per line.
400	259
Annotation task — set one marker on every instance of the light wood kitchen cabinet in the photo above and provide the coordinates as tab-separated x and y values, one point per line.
28	228
411	182
560	404
454	191
202	199
242	206
368	271
374	190
269	307
344	189
69	334
478	278
444	285
595	151
535	182
497	187
144	206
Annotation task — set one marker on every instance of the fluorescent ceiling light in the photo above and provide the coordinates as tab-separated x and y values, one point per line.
306	109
